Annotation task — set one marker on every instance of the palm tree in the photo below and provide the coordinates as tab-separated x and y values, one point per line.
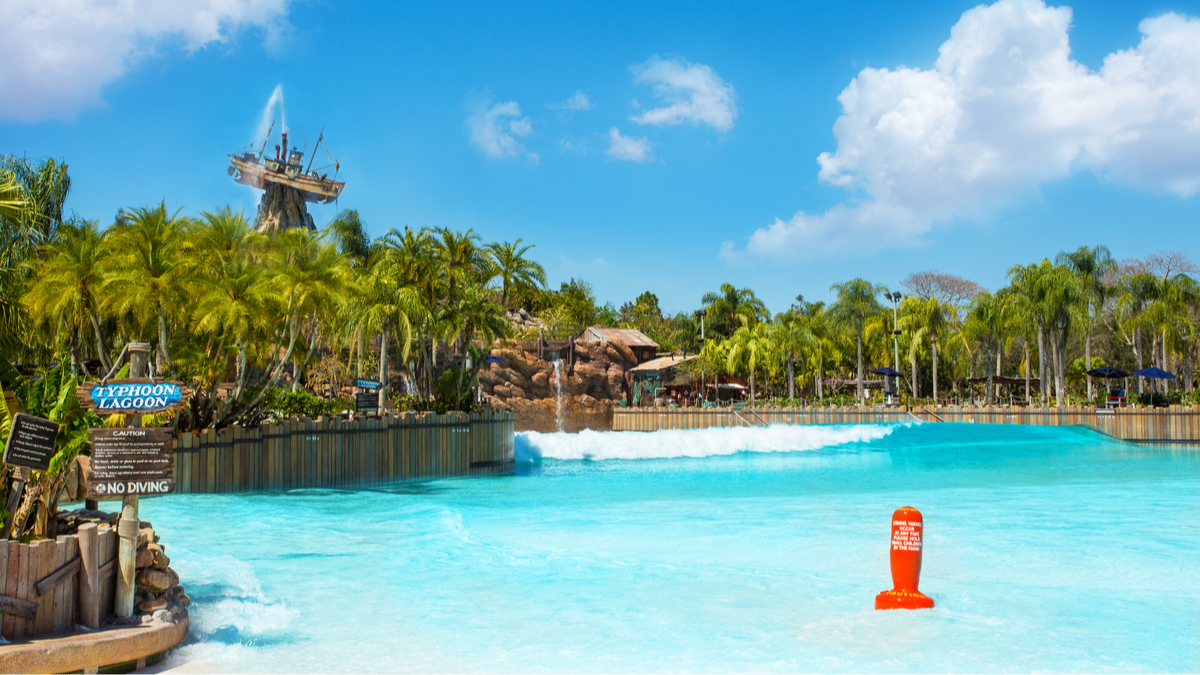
1092	266
724	308
749	347
985	323
64	291
146	268
926	320
856	302
513	267
1134	296
1027	280
788	336
350	235
384	303
236	303
1064	300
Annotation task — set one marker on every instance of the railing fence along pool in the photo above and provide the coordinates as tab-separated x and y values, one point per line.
324	452
52	585
1173	424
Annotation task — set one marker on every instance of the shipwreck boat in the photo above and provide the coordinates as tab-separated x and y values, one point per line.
286	168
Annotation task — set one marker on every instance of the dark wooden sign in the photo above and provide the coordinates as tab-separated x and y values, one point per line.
31	442
368	402
131	461
132	395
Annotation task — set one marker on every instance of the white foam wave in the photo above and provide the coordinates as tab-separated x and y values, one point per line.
532	446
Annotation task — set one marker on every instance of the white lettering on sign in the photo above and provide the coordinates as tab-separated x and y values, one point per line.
906	535
149	487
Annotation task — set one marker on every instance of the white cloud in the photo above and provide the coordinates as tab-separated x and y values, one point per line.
494	133
628	148
1004	110
57	55
694	93
579	102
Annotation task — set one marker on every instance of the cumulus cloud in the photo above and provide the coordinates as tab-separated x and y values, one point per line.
579	102
693	93
628	148
495	128
57	55
1004	110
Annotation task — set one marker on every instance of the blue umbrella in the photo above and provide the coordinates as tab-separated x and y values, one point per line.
1108	373
494	359
1155	373
886	370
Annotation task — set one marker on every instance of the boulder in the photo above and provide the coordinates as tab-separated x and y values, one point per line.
144	558
152	606
625	353
157	581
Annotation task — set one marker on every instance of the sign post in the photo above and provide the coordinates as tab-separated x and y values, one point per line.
367	402
30	446
128	463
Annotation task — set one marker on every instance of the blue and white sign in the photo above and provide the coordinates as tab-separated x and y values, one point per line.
133	396
368	384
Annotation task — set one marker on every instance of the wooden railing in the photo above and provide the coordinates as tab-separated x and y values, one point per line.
1174	424
305	453
50	586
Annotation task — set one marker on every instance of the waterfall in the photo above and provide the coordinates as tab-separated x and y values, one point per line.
409	388
560	403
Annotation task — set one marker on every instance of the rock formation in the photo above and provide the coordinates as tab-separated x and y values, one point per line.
282	208
592	385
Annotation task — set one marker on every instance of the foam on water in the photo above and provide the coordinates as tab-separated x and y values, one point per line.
532	446
739	550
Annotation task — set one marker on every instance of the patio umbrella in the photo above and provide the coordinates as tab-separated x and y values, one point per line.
1108	373
1155	373
890	372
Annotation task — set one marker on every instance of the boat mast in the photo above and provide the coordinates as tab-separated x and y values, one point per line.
266	139
314	152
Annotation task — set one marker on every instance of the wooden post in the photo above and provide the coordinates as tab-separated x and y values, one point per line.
89	576
20	477
129	524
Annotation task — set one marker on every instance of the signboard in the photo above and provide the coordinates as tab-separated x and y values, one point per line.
31	442
368	402
132	395
368	384
131	461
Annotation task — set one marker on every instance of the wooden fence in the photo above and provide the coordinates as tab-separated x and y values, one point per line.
50	586
369	452
1174	424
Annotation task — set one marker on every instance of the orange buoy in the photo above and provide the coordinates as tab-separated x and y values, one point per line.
907	531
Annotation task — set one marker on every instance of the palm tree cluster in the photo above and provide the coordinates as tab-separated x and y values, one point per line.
238	314
1055	321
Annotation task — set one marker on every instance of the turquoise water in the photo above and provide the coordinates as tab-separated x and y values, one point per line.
712	551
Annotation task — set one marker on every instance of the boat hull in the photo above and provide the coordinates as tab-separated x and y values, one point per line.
311	188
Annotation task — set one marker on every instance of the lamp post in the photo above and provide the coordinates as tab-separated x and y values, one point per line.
895	298
703	389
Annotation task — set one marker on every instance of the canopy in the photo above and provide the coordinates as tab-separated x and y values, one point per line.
1108	373
886	370
1156	373
494	359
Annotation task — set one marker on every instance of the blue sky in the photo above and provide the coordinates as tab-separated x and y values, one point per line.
1019	141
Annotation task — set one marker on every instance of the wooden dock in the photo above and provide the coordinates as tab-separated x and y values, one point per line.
331	453
1174	424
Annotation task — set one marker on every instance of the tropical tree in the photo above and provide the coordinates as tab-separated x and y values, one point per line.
1092	266
749	348
512	266
856	302
725	306
146	271
63	293
985	324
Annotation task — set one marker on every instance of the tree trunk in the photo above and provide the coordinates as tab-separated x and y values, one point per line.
989	372
1041	341
1027	400
101	351
751	386
383	356
791	376
820	380
935	357
916	387
162	341
860	366
1087	358
1137	354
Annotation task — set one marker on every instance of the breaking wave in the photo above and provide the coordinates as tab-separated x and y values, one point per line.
532	446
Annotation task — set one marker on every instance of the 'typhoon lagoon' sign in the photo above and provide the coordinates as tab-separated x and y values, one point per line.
137	395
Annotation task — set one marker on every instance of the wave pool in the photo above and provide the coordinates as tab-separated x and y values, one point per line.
1046	549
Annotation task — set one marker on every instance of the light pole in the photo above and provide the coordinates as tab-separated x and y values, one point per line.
703	390
895	298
